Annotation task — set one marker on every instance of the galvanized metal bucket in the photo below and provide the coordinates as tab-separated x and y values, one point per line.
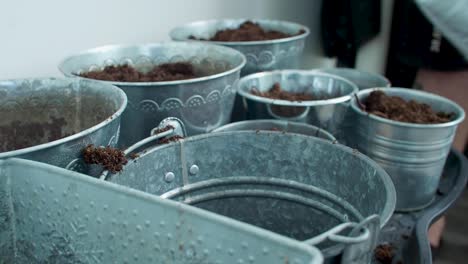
262	55
298	186
203	103
51	215
327	114
413	154
363	80
51	120
279	125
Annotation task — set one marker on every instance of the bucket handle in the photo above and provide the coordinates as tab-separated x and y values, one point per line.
333	235
177	128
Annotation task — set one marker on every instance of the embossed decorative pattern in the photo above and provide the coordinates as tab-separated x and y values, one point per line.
55	216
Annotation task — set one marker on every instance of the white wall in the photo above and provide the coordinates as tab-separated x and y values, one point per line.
36	35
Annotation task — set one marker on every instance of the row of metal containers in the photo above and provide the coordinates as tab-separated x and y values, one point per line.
306	187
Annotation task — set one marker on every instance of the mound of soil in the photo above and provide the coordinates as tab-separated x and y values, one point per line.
126	73
277	93
248	31
398	109
384	253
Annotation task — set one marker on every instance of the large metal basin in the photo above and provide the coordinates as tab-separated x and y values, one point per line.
413	154
202	103
52	215
52	120
295	185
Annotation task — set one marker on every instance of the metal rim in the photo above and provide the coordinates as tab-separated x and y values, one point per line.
387	182
229	51
82	133
233	126
334	71
265	100
173	32
364	93
143	196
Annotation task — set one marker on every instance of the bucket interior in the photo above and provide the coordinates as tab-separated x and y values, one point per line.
37	112
321	86
294	185
206	59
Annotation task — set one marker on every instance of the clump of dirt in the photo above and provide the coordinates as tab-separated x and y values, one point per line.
22	134
384	253
111	159
276	92
398	109
170	139
249	31
126	73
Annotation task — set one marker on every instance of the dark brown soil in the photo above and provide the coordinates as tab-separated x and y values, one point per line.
109	158
396	108
170	139
384	253
23	134
276	92
248	31
126	73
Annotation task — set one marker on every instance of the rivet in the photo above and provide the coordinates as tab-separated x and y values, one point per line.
194	169
169	177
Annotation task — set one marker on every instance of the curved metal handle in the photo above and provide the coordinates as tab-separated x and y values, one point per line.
333	235
176	128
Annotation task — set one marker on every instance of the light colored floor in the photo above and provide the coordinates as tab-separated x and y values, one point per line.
455	238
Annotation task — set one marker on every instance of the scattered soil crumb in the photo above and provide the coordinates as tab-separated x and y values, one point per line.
111	159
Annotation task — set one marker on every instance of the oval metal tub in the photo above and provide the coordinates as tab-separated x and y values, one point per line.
413	154
52	120
299	186
279	125
203	103
52	215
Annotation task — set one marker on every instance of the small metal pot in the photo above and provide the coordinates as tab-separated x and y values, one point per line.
202	103
413	154
262	55
362	79
327	114
281	125
78	112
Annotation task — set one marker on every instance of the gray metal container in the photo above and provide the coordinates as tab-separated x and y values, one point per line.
413	154
280	125
52	215
203	103
299	186
261	55
82	112
327	114
362	79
